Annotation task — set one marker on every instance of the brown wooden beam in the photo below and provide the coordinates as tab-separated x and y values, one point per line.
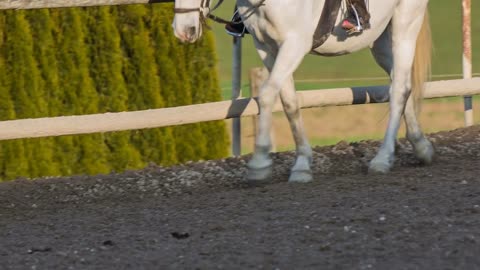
36	4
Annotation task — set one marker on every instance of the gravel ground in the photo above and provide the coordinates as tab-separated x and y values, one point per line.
202	216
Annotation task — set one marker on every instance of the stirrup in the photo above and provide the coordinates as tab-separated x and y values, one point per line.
355	30
358	28
234	33
231	28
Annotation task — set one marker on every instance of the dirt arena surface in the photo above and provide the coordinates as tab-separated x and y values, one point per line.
202	216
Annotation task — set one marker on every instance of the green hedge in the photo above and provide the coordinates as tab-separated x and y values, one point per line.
108	59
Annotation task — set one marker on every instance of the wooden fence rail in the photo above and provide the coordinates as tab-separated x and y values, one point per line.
84	124
35	4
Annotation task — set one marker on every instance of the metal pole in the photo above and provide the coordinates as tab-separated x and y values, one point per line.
236	93
467	57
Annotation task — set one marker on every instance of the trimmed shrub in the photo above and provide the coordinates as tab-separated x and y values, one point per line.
103	59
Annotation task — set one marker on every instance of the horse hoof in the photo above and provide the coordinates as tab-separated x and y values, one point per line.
379	167
425	152
259	175
303	176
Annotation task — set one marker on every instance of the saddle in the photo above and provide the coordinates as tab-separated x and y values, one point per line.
356	21
324	27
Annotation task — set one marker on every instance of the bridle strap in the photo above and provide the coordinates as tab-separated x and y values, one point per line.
205	4
186	10
220	20
217	5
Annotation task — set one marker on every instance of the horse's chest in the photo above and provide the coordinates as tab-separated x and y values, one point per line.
264	32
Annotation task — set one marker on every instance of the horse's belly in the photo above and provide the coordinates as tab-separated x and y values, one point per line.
340	43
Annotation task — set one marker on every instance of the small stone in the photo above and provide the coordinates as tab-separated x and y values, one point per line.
180	235
108	243
39	249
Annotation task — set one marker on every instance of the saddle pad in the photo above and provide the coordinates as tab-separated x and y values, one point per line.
326	23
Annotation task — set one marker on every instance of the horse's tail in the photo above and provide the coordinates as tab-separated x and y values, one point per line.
422	62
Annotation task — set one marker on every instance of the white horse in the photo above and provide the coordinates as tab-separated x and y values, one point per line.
399	38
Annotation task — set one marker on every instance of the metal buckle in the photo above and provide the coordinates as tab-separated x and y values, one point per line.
236	34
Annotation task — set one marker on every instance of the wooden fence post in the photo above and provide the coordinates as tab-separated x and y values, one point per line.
467	57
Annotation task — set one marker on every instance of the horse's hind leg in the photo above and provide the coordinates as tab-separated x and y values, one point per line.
382	52
281	65
405	31
423	148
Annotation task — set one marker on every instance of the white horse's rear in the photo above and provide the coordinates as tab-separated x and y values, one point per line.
283	34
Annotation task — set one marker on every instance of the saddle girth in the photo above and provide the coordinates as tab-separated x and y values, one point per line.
326	23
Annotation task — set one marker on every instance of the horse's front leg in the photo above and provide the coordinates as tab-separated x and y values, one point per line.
281	66
301	171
